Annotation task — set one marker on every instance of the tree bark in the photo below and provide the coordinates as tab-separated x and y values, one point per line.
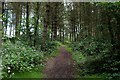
45	29
27	23
36	25
1	31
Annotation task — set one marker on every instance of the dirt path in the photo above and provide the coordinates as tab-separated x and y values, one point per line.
61	66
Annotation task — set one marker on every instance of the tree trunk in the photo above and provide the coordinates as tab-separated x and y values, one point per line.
1	8
27	23
1	31
36	24
44	35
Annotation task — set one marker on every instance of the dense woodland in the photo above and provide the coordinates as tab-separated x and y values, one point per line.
33	32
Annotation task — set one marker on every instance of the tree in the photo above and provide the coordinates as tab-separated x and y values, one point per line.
1	31
45	28
36	23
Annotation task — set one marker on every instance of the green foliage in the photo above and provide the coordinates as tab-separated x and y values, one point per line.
110	76
97	46
92	46
78	57
32	74
90	31
95	55
103	60
52	46
103	63
29	74
96	76
19	57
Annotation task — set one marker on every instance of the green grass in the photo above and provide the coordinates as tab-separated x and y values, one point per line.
94	77
29	74
32	74
78	57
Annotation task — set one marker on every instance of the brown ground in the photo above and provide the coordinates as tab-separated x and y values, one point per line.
62	66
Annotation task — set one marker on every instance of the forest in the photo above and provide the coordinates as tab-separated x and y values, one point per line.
34	33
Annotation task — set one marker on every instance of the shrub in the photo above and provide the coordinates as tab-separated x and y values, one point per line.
100	57
19	57
51	46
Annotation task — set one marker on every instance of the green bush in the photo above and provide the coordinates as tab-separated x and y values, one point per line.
103	63
51	46
79	57
92	46
19	57
99	57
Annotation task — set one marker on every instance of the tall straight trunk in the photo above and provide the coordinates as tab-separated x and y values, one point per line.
27	23
24	13
1	26
52	29
118	33
16	24
2	16
55	31
20	20
111	32
60	34
44	35
36	24
6	20
55	20
45	29
70	36
1	31
10	33
63	35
